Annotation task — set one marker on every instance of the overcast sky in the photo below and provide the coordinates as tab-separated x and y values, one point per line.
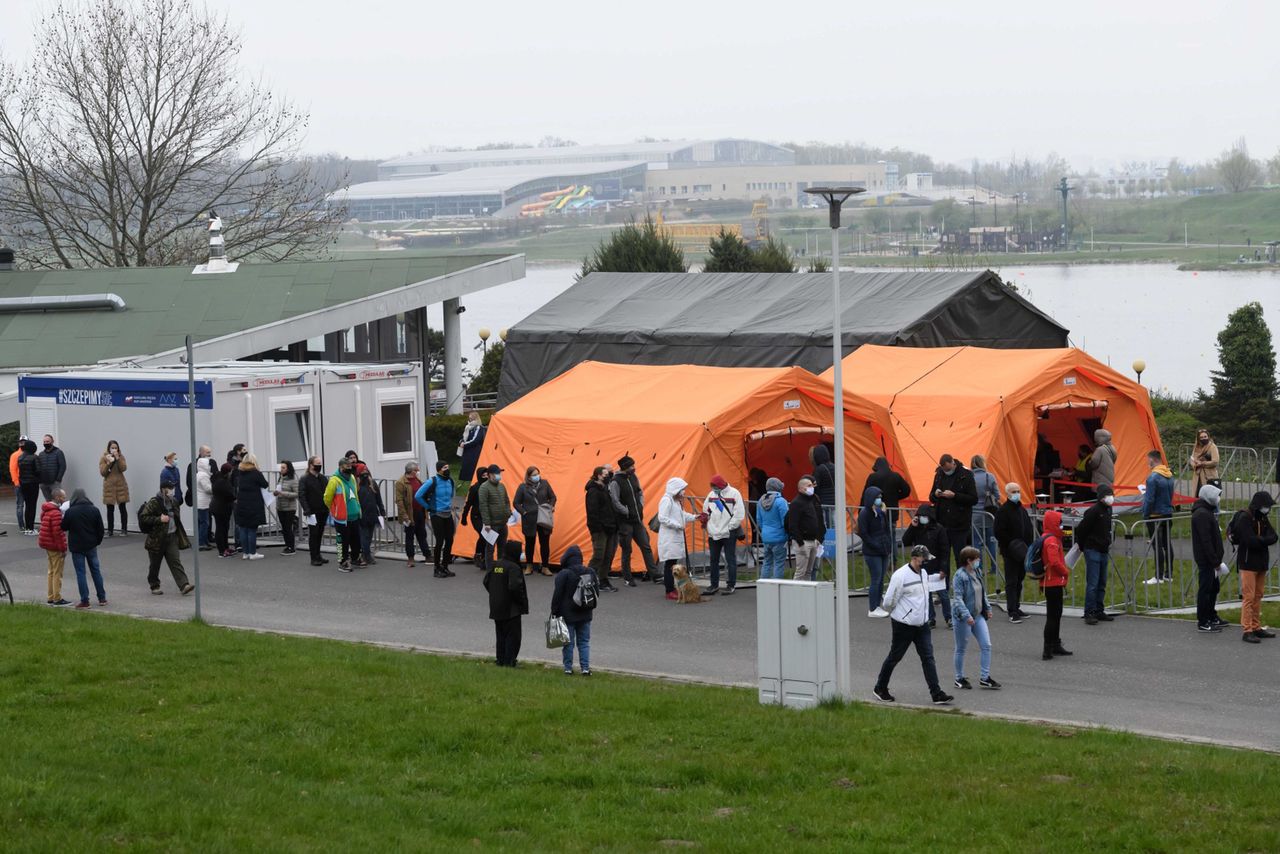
1098	83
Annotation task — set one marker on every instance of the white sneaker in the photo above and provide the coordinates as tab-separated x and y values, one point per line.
255	556
1154	580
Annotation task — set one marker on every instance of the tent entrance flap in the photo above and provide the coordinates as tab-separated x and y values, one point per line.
784	452
1068	427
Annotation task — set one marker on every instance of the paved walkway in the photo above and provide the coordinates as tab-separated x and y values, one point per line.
1141	674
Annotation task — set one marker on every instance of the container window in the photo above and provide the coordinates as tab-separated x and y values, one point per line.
293	427
397	428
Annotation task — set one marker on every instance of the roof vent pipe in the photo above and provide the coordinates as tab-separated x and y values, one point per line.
217	249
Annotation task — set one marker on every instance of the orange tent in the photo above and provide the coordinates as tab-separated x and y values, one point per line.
971	400
683	421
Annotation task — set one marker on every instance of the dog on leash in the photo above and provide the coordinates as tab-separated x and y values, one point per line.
685	588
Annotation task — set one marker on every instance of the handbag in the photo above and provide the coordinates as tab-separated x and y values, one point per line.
654	524
738	534
557	632
546	515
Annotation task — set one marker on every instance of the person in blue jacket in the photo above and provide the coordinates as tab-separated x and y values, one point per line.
875	526
577	618
437	496
1157	510
771	516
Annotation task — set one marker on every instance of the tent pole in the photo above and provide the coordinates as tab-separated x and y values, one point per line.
843	682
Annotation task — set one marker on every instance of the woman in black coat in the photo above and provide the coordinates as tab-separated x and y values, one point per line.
372	512
220	506
251	506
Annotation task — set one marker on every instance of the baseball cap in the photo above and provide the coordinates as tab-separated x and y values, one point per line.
494	469
921	551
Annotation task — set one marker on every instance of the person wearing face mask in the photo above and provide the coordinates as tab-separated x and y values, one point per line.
972	612
342	500
1093	536
1208	552
160	520
602	523
494	504
983	533
471	509
251	508
907	601
1014	533
53	466
1157	510
373	513
470	446
535	501
771	518
925	530
672	520
411	514
807	528
286	493
1056	575
436	496
954	496
221	506
1204	461
115	488
311	488
632	531
725	511
876	530
1253	535
204	496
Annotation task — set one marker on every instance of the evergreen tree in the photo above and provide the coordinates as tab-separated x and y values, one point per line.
772	256
636	248
486	379
1243	408
728	253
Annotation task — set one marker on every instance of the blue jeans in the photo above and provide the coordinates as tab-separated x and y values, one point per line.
979	631
774	563
729	548
984	537
877	565
580	636
1095	581
248	539
202	526
78	559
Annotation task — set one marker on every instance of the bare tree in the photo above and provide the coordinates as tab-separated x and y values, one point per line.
1238	170
129	123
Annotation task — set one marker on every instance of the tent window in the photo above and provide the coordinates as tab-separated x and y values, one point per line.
293	427
397	428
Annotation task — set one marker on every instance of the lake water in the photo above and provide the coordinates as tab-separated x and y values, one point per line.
1116	312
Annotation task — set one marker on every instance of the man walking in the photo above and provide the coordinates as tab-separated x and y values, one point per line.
1014	533
1207	551
1093	536
954	497
53	465
806	527
54	542
725	511
435	498
1157	510
625	487
83	524
494	505
311	488
907	601
159	519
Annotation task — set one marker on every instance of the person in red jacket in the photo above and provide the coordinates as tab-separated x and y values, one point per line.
1056	573
54	542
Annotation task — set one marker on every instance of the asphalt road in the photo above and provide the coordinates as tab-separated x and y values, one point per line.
1145	675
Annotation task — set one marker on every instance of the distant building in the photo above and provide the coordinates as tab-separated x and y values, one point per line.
782	185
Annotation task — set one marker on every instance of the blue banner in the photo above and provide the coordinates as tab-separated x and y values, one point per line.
115	392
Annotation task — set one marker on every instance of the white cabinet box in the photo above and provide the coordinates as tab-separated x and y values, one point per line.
796	642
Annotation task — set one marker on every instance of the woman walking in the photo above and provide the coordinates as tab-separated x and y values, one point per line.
251	508
471	444
221	504
286	492
972	612
115	489
535	501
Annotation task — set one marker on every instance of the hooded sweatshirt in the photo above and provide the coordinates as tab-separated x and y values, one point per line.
1102	462
1206	537
1056	571
929	534
874	525
824	475
893	487
508	596
562	604
1158	499
672	519
1254	534
1094	531
771	514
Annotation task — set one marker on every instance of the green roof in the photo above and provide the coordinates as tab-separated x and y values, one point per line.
164	304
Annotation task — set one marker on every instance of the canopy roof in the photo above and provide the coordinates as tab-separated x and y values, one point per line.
972	400
676	421
762	320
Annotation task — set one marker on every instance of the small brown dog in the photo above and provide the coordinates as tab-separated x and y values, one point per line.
688	591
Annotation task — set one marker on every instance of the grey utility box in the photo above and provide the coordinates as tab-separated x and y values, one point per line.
796	642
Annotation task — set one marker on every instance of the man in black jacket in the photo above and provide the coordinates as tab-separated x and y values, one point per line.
1253	536
824	475
1014	533
1207	551
602	523
926	530
508	601
311	488
83	523
954	494
625	488
806	528
1093	536
53	466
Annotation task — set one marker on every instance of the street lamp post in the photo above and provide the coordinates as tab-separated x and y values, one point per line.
835	197
484	338
1138	367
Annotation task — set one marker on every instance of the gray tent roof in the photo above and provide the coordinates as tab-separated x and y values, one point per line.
762	320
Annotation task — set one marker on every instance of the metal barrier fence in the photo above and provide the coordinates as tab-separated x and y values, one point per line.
1245	465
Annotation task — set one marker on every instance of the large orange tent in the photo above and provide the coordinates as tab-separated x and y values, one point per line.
676	421
972	400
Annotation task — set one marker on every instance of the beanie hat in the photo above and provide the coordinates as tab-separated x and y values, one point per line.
718	482
625	463
1105	489
773	485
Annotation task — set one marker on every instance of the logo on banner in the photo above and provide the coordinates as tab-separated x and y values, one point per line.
84	397
1068	380
790	404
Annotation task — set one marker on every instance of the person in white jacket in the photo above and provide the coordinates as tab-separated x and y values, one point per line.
204	495
907	601
672	520
724	510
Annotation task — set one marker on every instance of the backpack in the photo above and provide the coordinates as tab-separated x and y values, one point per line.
588	593
1034	563
1231	528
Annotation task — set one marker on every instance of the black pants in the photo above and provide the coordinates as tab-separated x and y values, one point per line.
315	535
1014	572
221	530
416	530
1158	529
904	636
636	533
540	537
480	543
1207	595
495	551
604	544
288	527
508	632
668	580
349	542
442	528
1053	617
31	501
111	518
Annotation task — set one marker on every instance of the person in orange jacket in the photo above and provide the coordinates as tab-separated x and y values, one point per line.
1056	573
13	478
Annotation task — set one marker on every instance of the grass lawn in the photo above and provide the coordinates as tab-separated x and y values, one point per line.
121	733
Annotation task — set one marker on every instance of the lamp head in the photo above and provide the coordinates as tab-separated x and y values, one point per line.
835	197
484	333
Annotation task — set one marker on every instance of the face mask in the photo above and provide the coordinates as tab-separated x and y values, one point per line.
924	520
317	467
1109	500
535	478
495	477
975	566
167	492
1266	510
808	490
1015	497
879	502
48	445
444	472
